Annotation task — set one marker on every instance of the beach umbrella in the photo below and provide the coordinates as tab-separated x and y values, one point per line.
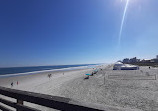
88	74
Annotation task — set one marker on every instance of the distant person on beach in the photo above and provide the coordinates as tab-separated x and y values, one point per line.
49	75
63	73
17	82
12	84
149	67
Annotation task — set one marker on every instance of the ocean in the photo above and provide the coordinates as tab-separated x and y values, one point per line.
15	70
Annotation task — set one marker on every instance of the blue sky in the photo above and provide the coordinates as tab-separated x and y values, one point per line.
53	32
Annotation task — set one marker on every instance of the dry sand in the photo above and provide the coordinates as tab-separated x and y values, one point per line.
133	91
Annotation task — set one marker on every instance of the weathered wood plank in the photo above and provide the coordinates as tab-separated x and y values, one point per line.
55	102
17	106
4	108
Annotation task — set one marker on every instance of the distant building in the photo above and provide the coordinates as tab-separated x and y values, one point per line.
146	60
133	60
126	60
154	60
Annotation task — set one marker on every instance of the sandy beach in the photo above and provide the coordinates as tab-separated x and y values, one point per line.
31	82
124	90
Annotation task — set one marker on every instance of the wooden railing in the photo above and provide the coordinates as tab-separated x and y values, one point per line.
54	102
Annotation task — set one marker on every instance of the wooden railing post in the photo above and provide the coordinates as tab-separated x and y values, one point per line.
20	102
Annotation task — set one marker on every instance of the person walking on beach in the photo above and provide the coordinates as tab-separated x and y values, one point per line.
49	75
12	84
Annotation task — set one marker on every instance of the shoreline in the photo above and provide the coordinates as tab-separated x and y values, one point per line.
40	77
15	71
45	71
